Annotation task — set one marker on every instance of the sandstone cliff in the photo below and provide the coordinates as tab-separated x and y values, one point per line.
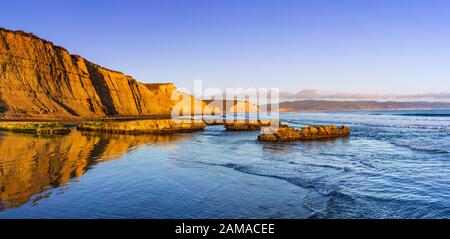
41	80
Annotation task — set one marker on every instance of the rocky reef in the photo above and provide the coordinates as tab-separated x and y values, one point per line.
246	125
34	127
145	126
286	133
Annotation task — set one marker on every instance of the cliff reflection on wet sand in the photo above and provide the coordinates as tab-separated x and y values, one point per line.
30	164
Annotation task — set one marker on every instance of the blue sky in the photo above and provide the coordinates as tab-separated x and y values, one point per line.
365	47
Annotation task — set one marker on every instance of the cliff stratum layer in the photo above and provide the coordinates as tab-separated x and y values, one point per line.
41	80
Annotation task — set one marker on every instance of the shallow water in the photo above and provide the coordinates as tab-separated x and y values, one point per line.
396	164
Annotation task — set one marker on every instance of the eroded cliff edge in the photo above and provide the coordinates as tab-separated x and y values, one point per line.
41	80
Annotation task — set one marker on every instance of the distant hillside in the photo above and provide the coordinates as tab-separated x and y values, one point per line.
323	105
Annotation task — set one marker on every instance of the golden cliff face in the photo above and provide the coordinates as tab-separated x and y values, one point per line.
41	80
30	165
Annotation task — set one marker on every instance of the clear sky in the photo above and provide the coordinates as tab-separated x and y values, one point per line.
361	46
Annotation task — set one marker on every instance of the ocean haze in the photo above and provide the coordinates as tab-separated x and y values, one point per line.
310	94
324	105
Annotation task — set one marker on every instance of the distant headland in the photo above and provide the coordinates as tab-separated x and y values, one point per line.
324	105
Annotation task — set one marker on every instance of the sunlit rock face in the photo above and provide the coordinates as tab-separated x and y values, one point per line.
41	80
31	165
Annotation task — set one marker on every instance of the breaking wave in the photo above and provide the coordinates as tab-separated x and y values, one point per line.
415	146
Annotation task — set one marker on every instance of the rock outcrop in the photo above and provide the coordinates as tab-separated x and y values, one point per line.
145	126
286	133
246	125
34	127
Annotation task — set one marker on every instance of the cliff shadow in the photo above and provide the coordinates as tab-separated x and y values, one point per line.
3	107
100	86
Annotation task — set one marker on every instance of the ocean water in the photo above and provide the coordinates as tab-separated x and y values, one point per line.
396	164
